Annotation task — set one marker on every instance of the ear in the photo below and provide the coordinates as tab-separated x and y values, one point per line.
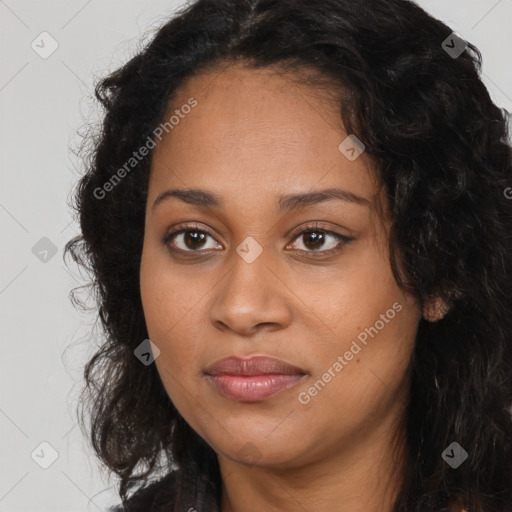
435	310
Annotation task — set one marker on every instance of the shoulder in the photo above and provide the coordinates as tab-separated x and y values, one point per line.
157	496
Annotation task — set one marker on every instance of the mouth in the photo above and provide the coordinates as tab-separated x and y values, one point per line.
253	379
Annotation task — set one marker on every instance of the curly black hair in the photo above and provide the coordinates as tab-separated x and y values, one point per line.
443	154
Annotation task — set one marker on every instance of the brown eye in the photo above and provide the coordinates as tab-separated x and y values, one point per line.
189	240
194	239
317	240
313	239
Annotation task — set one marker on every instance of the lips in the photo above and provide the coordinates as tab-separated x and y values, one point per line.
257	365
252	379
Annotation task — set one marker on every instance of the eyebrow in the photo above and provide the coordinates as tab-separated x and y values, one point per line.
286	203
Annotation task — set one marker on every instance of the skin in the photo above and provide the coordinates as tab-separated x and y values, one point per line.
256	135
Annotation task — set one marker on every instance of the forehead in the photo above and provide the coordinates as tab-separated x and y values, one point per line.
257	130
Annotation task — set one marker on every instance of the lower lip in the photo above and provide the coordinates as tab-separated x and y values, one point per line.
252	388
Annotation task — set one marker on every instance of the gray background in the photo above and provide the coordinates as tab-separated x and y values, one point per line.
43	103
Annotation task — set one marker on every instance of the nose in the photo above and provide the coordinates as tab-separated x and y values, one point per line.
251	297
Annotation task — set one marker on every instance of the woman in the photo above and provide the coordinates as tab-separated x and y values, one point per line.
295	220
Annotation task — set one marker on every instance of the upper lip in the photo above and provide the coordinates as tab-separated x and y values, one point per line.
256	365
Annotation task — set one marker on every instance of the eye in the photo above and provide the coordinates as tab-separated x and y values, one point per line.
313	239
188	239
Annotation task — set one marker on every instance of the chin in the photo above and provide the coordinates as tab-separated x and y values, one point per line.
274	452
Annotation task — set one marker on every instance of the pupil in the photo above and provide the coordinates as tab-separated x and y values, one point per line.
191	239
315	238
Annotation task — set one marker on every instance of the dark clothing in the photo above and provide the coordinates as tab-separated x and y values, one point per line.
161	496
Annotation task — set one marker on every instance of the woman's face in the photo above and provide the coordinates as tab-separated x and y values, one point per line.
247	279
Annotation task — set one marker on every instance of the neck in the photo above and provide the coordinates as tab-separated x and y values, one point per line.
362	476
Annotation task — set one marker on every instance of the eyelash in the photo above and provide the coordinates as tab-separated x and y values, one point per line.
309	228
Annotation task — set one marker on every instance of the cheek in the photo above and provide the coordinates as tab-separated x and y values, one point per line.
172	302
372	324
347	398
168	310
352	296
168	295
164	303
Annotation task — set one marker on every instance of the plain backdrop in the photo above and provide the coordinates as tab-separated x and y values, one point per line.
44	101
